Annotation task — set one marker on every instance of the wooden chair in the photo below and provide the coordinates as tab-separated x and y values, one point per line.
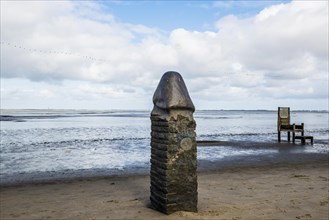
298	128
285	126
284	122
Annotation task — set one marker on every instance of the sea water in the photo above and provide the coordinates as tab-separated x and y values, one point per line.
64	141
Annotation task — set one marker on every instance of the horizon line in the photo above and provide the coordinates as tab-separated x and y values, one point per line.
86	109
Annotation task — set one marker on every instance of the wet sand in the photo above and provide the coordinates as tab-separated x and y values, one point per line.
273	191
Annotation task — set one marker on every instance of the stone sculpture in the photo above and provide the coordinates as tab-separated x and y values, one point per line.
173	147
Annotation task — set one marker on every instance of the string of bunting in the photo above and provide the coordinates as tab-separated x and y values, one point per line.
33	50
50	52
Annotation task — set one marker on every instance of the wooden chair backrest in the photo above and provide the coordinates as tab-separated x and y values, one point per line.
283	116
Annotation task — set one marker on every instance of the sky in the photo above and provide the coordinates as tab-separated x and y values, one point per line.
112	54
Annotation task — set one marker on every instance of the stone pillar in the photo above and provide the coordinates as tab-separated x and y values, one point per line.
173	147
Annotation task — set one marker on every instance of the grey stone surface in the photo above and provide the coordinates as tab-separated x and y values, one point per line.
173	147
172	93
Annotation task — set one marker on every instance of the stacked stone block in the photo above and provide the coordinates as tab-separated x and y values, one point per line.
173	147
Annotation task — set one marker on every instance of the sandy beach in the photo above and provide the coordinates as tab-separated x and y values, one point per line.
280	191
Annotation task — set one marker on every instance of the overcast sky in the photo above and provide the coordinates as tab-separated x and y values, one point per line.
112	54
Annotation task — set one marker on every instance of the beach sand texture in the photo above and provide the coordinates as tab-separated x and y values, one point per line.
285	191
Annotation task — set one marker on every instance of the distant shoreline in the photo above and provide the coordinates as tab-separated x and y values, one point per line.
21	115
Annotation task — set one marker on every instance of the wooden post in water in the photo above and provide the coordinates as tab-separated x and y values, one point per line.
173	147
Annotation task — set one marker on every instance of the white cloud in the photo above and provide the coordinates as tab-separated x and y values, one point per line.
101	91
282	52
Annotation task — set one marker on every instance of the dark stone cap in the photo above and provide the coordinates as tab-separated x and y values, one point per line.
172	93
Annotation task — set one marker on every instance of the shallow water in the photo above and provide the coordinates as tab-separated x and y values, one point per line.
68	140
